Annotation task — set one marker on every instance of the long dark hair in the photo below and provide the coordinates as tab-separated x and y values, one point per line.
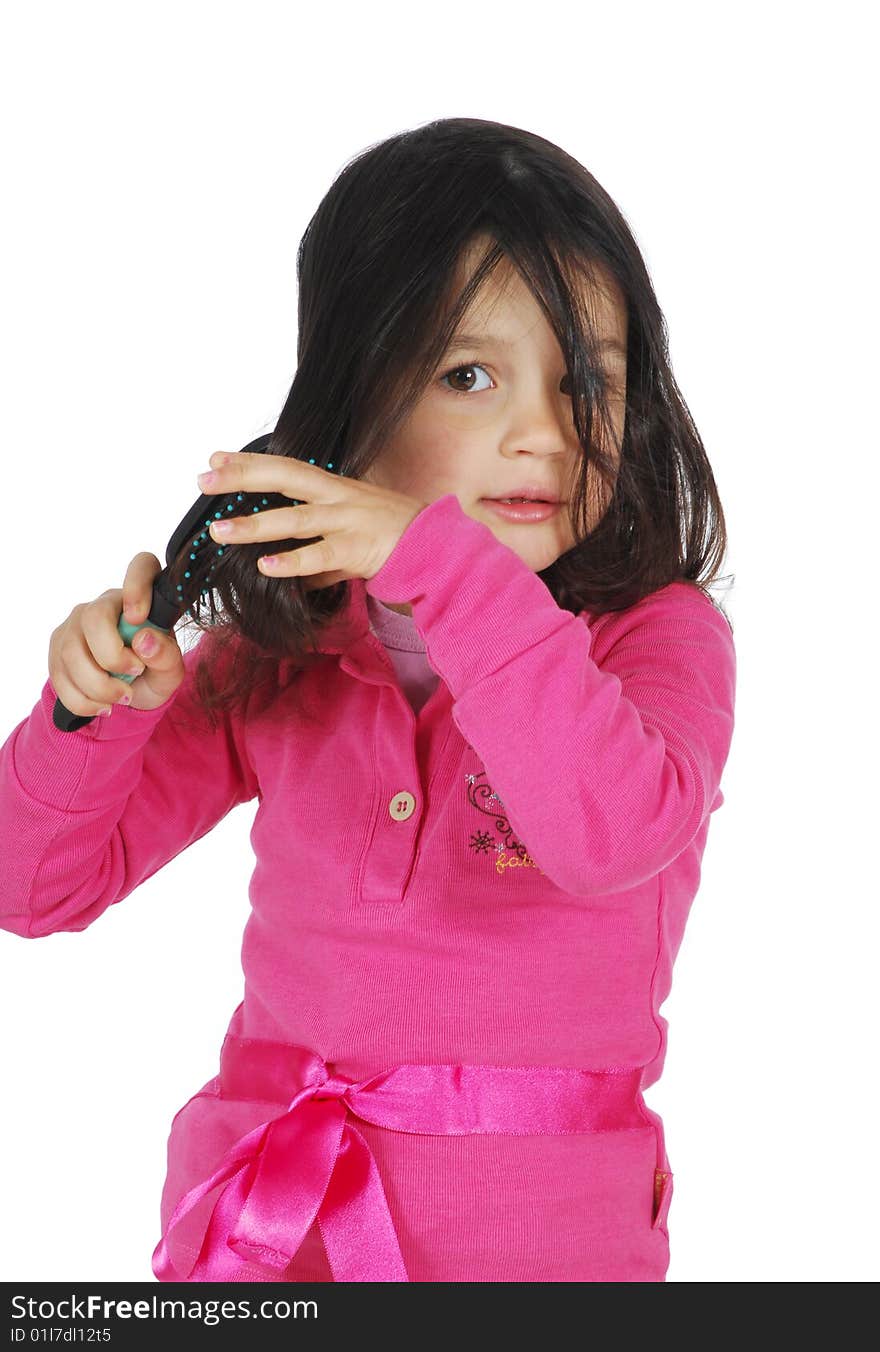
374	270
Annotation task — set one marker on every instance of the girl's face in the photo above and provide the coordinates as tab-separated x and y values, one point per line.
497	415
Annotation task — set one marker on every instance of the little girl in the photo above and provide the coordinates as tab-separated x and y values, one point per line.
484	708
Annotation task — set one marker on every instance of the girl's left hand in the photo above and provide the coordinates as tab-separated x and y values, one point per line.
360	522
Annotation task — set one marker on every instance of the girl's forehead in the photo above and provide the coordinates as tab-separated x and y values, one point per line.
505	309
593	284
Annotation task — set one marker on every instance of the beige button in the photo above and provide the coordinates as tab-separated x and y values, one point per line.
402	805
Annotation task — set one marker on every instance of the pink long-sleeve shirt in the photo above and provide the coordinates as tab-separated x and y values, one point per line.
481	850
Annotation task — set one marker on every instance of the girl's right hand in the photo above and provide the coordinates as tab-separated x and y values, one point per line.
87	646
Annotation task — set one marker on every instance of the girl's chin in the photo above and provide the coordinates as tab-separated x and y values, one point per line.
538	556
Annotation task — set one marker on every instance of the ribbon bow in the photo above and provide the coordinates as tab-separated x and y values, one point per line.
312	1162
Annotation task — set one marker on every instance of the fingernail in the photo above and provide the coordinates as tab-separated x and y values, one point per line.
146	644
125	699
205	480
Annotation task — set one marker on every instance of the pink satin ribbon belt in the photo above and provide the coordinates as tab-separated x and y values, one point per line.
312	1162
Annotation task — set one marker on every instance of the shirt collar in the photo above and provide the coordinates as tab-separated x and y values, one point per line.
352	622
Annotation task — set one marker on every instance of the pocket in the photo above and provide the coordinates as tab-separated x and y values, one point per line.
663	1186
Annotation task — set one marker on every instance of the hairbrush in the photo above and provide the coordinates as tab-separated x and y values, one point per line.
187	571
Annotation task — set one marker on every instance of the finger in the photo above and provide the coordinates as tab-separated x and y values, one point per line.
158	650
249	473
84	676
100	628
314	558
279	523
318	580
83	703
137	588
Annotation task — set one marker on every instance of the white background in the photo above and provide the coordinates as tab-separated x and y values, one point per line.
159	166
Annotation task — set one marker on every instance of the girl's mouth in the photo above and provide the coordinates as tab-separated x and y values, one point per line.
523	512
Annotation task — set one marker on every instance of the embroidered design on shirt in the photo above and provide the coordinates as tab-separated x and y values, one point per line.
509	851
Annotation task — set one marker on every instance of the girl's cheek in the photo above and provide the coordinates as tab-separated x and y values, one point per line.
468	410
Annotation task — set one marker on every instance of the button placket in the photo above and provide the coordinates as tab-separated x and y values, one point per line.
390	851
408	755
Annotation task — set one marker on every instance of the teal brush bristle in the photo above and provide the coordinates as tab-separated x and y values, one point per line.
204	538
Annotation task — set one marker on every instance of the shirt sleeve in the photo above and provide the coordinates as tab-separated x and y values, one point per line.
87	816
606	744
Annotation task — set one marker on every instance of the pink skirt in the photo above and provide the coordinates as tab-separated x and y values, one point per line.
283	1169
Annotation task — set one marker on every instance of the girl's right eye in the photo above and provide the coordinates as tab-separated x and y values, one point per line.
467	366
476	366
